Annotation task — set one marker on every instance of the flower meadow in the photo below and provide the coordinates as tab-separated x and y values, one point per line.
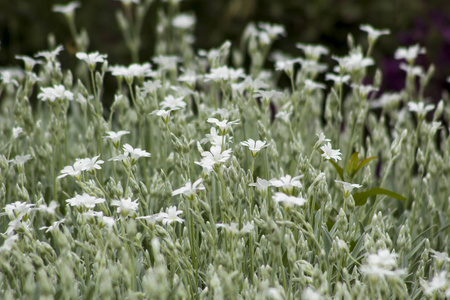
205	179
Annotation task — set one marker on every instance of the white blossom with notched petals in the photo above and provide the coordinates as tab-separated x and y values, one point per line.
287	182
173	103
116	136
85	200
409	54
91	59
373	34
313	52
56	92
68	9
233	228
125	206
8	243
420	108
190	189
261	184
254	146
288	200
20	160
54	226
329	153
382	264
223	125
347	187
171	215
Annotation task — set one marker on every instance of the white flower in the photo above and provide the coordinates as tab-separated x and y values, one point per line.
28	61
337	78
92	164
125	206
116	136
50	209
438	283
134	70
214	138
170	216
353	62
410	54
373	34
381	264
20	160
163	114
9	243
183	21
224	74
92	58
92	214
16	132
364	90
268	95
120	157
18	209
85	200
348	187
440	256
288	200
260	184
312	66
287	183
312	85
254	146
286	65
109	222
173	103
283	116
273	30
216	155
189	76
233	227
53	226
310	294
166	62
67	9
7	78
152	86
50	55
386	99
74	171
312	51
329	153
17	225
223	125
321	139
207	165
55	92
135	153
150	219
190	189
412	70
80	165
420	108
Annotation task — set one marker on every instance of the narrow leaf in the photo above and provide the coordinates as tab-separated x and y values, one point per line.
361	198
365	162
327	240
352	165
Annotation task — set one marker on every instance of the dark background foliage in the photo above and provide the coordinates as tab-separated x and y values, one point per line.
25	25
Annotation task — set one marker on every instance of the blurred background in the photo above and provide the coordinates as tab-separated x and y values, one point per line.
26	24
